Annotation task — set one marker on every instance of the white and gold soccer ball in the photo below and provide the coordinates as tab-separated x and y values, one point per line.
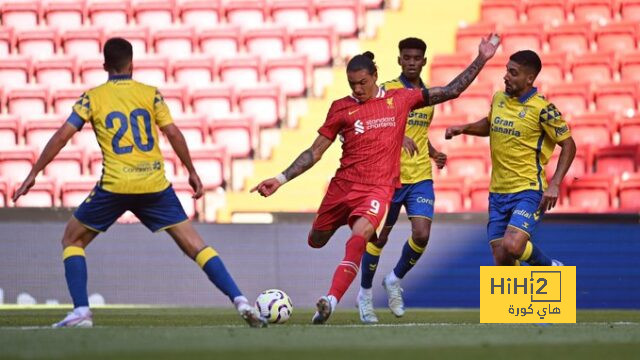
274	305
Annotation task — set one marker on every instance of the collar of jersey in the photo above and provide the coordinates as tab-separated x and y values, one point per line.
403	79
524	98
380	94
120	77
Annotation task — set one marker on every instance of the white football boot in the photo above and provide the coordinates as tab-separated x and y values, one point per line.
365	307
394	294
251	315
323	312
75	319
555	262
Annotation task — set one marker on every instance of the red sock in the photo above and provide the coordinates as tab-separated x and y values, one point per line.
349	266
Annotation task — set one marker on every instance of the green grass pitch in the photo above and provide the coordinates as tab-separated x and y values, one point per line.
204	333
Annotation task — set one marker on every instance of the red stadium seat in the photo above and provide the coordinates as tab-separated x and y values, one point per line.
20	15
109	14
193	128
570	98
137	36
630	67
216	100
630	9
445	68
245	12
266	42
581	165
15	163
14	70
171	162
28	100
91	72
591	193
479	194
152	71
63	98
553	69
629	192
594	68
236	134
619	98
616	160
522	37
74	192
63	15
617	37
573	38
240	71
289	72
475	101
82	43
4	192
468	37
449	194
174	43
37	43
341	14
263	103
211	163
291	13
221	41
39	129
10	129
6	41
184	192
176	97
316	42
629	131
154	14
86	139
200	13
545	11
503	12
68	165
494	71
42	194
438	127
592	128
468	162
591	10
58	71
195	72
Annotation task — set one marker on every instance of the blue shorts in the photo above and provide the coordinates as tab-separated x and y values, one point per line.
417	198
519	210
157	211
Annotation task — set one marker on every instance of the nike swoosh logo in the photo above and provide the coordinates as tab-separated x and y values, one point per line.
353	112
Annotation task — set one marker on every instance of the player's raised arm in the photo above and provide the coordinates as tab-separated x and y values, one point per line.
486	50
53	147
478	128
302	163
179	145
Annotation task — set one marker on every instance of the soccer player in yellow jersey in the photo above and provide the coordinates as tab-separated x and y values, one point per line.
125	116
524	128
416	193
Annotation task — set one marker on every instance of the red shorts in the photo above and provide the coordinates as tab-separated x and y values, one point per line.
345	201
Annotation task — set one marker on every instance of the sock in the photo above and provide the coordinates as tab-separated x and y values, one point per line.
212	265
411	252
365	292
333	301
369	265
75	271
391	277
239	301
534	256
348	268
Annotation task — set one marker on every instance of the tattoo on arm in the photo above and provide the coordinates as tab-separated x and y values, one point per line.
441	94
301	164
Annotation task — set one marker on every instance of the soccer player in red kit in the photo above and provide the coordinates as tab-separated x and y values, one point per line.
371	124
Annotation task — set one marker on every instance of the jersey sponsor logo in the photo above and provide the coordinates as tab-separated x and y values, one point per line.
353	112
561	130
142	168
420	123
522	212
381	123
504	126
423	200
359	127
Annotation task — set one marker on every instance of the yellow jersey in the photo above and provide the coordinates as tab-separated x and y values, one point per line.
417	168
524	132
123	112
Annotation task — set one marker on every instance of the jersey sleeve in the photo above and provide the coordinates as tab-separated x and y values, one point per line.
161	110
414	98
81	112
333	124
553	124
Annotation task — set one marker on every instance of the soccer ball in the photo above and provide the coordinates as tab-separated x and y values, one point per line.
274	305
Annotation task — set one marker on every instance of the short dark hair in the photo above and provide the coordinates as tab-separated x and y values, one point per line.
363	61
412	43
529	59
118	53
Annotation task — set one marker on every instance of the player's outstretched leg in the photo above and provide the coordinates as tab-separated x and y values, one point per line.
207	258
369	266
76	238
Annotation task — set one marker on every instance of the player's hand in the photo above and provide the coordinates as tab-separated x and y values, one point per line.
27	184
440	159
453	131
267	187
410	146
549	198
489	46
196	185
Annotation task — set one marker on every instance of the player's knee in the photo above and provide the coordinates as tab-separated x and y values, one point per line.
380	241
316	240
513	247
420	238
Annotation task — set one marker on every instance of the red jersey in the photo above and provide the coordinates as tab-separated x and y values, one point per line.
372	134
